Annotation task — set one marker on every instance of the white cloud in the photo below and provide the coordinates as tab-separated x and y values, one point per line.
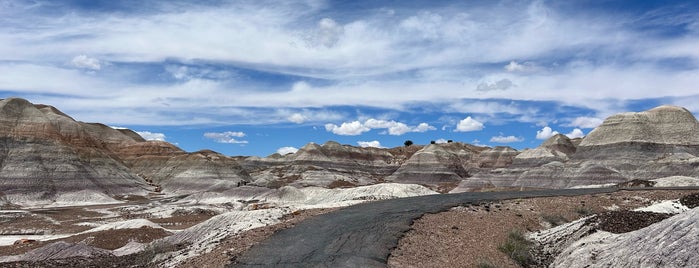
545	133
514	66
375	144
287	150
226	137
440	141
576	133
85	62
585	122
329	32
360	54
347	129
506	139
423	127
393	127
297	118
502	84
150	136
468	124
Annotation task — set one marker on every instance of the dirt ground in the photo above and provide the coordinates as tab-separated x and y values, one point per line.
469	236
466	236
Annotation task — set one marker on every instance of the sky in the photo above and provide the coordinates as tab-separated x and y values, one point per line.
259	77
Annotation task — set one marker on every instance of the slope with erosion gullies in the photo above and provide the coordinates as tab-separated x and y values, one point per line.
658	143
45	154
329	165
47	157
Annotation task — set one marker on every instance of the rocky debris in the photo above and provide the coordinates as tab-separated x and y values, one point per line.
669	243
625	221
691	201
636	183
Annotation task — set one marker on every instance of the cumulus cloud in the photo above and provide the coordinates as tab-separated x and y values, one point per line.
440	141
287	150
468	124
375	144
514	66
226	137
545	133
393	127
85	62
423	127
347	128
506	139
297	118
151	136
576	133
502	84
585	122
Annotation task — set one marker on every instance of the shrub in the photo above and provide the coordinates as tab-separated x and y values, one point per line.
554	220
583	211
517	247
433	142
408	143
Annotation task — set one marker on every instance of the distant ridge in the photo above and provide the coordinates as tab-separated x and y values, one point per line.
45	155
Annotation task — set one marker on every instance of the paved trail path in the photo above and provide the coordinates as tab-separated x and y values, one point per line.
363	235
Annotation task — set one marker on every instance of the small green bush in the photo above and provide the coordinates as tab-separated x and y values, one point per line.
517	247
583	211
554	220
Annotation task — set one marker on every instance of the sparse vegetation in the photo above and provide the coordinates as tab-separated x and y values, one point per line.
554	220
408	143
450	141
517	247
583	211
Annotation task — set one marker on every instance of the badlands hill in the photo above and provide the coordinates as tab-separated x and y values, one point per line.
48	157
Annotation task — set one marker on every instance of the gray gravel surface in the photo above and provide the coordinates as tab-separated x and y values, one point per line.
364	235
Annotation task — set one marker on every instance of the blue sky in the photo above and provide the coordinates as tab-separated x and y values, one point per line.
253	77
